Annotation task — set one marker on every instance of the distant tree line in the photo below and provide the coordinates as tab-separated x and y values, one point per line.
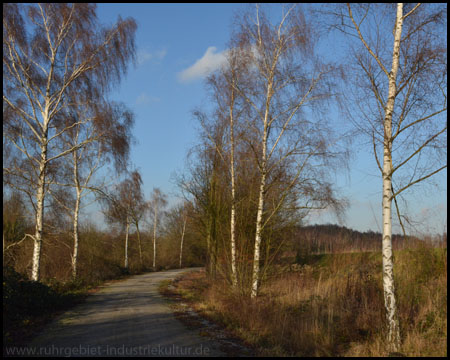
319	239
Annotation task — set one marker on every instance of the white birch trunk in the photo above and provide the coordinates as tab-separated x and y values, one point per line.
233	200
126	244
75	216
259	216
388	264
139	242
262	191
233	240
182	239
39	223
75	234
154	238
40	198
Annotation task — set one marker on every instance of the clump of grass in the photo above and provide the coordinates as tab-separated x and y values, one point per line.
192	287
422	293
337	308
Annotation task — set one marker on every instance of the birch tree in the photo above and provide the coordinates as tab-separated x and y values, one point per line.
203	186
400	101
283	82
183	231
177	217
223	87
112	144
157	203
132	197
116	212
49	51
125	206
230	96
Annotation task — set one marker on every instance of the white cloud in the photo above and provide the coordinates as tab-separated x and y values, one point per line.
144	55
208	63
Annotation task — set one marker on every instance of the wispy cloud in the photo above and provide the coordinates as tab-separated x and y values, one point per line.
208	63
144	55
145	99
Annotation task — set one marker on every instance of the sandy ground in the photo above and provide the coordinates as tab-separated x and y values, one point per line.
125	318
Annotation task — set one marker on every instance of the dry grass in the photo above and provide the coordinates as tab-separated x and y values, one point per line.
334	307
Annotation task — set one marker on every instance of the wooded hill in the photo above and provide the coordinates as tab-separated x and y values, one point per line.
329	238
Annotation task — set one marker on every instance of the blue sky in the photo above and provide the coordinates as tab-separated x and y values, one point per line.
176	45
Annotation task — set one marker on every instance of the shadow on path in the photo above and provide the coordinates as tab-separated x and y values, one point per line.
127	318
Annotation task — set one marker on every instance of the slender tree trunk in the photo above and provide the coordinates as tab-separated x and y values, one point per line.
388	263
126	244
208	249
211	226
40	197
257	252
139	243
75	217
233	241
211	245
212	231
75	235
262	190
233	200
182	239
154	237
216	248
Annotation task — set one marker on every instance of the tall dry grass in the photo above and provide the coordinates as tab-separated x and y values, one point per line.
333	306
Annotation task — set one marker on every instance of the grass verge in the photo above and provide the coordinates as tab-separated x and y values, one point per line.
333	306
185	294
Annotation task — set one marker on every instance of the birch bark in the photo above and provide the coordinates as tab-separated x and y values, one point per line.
388	263
259	219
154	237
75	216
233	197
40	196
39	215
262	190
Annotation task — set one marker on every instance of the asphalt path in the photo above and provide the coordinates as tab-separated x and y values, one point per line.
125	318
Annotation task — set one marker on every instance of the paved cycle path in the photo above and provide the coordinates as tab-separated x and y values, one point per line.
125	318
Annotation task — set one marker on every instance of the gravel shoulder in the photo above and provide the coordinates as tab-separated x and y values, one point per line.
126	318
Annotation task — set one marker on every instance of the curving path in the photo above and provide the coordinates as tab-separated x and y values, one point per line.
126	318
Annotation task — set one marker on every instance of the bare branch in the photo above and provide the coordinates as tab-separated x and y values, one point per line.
364	41
418	180
412	10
